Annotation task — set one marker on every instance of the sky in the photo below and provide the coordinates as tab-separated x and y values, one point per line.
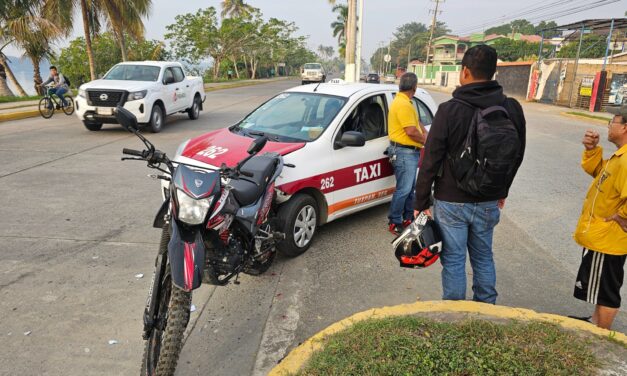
381	17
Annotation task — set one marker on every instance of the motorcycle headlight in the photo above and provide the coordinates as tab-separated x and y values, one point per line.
82	93
137	95
192	211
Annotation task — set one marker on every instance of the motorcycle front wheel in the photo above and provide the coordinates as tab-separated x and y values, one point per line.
166	341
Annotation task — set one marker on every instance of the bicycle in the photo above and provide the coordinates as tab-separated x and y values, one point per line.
47	108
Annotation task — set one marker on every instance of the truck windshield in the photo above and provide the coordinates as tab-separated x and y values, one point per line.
292	117
313	66
127	72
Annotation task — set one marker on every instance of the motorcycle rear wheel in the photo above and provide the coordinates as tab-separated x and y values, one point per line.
164	346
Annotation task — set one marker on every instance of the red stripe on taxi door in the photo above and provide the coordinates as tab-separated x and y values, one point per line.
343	178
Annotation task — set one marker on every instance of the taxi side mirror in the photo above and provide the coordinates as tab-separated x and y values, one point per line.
352	139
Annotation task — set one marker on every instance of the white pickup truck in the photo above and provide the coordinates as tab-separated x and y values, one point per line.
149	89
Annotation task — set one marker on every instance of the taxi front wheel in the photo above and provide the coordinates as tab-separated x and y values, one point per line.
299	221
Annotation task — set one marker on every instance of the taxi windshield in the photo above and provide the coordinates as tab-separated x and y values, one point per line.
292	117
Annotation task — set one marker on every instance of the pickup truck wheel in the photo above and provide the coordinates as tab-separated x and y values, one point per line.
194	111
92	126
299	221
156	119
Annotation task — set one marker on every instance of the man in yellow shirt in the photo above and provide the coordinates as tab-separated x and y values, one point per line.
407	137
602	226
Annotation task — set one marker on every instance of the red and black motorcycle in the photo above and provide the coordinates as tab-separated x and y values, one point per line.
215	225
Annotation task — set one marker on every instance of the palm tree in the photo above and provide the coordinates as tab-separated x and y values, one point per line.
23	25
62	13
125	17
339	25
235	8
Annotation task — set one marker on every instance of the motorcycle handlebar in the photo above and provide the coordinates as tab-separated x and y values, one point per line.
136	153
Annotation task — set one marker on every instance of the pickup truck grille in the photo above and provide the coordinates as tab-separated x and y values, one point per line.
106	98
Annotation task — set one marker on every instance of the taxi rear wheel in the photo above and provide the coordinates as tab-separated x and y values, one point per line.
299	218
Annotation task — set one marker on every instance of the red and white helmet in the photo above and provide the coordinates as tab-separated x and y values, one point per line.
420	244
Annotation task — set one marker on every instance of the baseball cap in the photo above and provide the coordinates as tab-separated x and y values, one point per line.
622	111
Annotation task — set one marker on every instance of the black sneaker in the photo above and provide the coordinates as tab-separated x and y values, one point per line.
582	318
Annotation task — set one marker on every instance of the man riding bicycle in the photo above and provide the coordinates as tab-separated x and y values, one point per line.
59	86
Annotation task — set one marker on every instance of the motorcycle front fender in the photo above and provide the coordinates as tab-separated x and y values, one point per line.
186	252
159	221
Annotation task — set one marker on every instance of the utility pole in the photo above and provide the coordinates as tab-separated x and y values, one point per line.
349	69
360	28
434	21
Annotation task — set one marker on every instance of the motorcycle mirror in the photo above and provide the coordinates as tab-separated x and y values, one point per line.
126	119
257	145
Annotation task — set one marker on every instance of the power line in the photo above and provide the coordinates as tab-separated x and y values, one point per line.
556	12
433	25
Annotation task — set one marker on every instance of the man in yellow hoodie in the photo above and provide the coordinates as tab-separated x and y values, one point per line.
602	226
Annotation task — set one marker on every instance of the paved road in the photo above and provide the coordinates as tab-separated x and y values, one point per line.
75	230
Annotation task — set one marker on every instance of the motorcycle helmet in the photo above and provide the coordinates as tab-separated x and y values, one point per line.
420	244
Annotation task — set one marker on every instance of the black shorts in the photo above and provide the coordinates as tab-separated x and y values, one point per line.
600	278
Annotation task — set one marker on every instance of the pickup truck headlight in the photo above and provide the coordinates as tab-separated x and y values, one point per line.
82	93
137	95
192	211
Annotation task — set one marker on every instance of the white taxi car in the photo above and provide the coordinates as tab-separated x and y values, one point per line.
334	133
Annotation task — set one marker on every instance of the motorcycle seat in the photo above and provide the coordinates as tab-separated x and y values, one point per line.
262	167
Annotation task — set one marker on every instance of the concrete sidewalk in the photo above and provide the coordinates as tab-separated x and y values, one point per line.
26	109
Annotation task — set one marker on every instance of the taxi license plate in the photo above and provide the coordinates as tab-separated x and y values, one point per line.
104	111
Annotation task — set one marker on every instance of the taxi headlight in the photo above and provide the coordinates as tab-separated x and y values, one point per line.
192	211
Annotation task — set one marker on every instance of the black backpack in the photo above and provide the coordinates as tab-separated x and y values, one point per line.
67	81
486	163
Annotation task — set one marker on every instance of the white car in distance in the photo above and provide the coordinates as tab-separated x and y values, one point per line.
151	90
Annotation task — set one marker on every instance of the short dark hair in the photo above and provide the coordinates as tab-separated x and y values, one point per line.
408	81
53	67
481	61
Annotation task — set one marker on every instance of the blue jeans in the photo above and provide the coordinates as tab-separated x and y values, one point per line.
467	226
405	163
59	91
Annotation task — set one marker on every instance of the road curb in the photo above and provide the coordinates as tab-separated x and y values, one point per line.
19	115
586	118
297	358
234	85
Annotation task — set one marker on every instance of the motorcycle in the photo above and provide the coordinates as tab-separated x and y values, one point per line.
215	225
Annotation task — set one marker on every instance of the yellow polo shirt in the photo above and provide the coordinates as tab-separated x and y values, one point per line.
606	196
402	114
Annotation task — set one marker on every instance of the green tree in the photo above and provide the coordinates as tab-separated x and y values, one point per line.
23	25
71	59
515	50
235	8
124	17
339	26
546	25
62	13
592	46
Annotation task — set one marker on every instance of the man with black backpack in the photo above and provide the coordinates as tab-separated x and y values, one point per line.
475	147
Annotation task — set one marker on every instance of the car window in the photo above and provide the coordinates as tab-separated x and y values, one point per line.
168	74
293	116
424	114
369	118
313	66
128	72
178	74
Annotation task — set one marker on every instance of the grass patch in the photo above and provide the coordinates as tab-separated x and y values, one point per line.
586	115
19	99
414	346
